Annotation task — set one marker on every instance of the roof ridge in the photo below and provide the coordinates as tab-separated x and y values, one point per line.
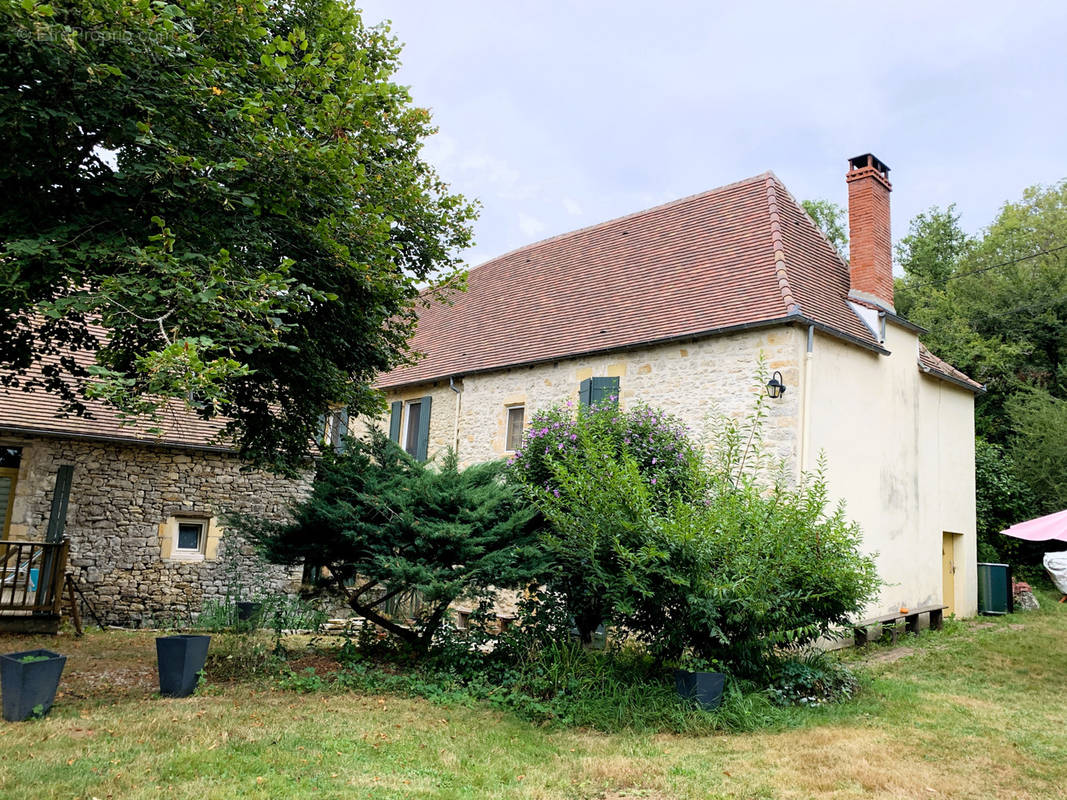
778	244
814	225
632	214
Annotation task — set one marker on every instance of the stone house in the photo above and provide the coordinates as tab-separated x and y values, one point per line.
675	306
144	513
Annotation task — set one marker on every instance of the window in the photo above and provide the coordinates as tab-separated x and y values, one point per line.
598	391
334	427
409	425
190	537
516	419
9	475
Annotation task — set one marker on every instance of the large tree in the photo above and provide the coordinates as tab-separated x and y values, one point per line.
233	192
996	306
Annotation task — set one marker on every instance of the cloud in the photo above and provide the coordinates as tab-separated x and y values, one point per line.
571	206
530	226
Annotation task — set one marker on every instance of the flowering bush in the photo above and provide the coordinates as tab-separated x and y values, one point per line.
558	439
697	555
599	476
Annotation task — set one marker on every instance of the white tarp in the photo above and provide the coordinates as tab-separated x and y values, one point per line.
1056	564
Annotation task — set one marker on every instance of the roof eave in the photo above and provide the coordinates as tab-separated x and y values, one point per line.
789	319
942	376
17	430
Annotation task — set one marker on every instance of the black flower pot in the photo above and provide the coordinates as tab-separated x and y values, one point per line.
181	660
702	688
29	681
248	614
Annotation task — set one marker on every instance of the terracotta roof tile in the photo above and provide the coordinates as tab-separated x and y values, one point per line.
738	255
41	412
931	364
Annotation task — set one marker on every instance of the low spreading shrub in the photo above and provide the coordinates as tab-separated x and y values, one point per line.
812	680
384	525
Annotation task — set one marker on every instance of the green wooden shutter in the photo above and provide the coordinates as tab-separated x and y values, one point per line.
395	411
339	442
603	388
585	392
422	445
57	518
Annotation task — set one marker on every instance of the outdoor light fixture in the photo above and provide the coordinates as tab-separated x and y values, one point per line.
775	387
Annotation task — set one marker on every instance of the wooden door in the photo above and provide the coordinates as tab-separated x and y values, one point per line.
948	571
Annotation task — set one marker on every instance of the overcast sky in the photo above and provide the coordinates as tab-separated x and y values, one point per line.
559	115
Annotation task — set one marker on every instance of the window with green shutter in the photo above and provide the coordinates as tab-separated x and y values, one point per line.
598	391
409	425
333	427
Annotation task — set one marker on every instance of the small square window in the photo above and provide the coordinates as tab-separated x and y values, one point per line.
190	537
516	420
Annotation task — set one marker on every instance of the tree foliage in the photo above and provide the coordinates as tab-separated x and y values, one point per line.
235	193
996	307
706	559
384	525
830	218
929	253
1002	499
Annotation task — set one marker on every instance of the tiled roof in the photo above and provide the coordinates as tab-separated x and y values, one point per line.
40	412
744	254
931	364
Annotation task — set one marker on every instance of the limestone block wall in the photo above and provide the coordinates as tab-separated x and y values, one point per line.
694	380
124	500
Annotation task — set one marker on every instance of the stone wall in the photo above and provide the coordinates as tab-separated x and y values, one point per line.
696	380
121	499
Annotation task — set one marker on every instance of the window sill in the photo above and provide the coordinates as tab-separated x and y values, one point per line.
185	557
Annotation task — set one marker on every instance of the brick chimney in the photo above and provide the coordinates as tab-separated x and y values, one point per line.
870	245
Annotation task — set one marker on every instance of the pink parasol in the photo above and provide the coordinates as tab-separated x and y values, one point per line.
1052	526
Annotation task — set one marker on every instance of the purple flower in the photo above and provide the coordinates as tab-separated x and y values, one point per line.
555	492
574	437
653	460
653	481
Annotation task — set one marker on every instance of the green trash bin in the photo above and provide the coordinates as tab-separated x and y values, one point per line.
994	589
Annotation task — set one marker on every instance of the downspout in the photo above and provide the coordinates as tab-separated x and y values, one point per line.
805	432
455	421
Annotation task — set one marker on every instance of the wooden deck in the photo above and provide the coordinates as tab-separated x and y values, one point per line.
31	585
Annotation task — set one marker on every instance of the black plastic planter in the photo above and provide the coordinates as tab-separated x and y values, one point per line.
248	614
702	688
181	660
29	686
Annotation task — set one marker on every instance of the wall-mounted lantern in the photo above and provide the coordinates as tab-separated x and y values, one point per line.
775	387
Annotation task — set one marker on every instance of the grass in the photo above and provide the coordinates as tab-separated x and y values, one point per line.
974	711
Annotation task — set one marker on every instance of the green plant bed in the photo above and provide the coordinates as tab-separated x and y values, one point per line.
566	687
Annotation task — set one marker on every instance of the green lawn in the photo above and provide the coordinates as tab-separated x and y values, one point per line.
976	710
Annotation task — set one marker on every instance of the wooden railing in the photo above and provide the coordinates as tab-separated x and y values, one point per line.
31	576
